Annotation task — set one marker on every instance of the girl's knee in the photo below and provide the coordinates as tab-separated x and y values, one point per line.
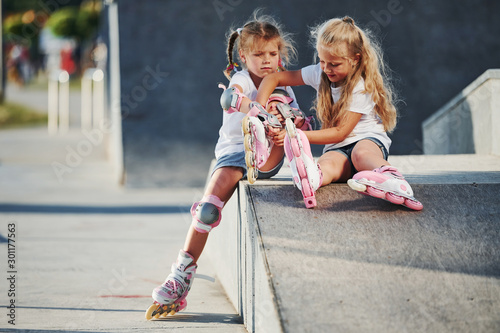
334	170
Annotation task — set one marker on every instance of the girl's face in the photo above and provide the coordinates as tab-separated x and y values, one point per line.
262	60
336	68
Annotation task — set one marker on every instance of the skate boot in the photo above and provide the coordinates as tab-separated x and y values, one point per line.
298	117
306	173
170	297
258	128
385	183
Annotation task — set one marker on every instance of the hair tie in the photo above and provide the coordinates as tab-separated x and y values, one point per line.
239	30
230	67
349	20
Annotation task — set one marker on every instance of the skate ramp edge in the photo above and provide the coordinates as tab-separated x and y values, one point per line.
236	251
355	263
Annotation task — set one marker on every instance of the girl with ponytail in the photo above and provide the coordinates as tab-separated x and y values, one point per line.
355	105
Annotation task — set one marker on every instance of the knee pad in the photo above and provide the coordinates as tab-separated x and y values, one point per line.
231	99
206	213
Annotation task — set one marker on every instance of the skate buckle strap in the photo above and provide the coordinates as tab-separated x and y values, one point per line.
257	110
288	112
391	170
309	124
204	277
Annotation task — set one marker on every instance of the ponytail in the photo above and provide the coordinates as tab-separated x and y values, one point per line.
230	47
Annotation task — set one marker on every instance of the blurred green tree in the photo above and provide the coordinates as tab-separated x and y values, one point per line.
75	22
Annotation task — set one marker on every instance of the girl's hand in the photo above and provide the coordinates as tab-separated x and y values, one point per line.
272	109
279	139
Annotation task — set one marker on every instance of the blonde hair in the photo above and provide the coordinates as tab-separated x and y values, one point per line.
259	28
336	36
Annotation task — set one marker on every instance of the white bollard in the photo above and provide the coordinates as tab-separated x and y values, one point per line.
58	107
92	112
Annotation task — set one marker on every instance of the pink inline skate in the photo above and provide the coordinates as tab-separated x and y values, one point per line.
306	173
299	118
170	297
257	128
385	183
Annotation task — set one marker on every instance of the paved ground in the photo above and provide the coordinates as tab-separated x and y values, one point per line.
87	252
38	100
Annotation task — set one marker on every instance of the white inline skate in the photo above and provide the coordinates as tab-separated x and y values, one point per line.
385	183
306	173
170	297
258	127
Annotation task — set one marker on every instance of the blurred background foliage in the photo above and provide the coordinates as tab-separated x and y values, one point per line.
40	36
23	20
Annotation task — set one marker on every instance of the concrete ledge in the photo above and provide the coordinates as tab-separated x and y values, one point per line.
356	263
468	123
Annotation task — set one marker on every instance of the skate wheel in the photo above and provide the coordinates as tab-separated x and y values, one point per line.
252	174
301	168
294	143
395	199
413	204
249	159
306	189
356	186
172	312
150	310
374	192
247	142
245	125
308	194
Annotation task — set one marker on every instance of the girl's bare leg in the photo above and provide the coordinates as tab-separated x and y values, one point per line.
275	157
367	155
222	184
335	167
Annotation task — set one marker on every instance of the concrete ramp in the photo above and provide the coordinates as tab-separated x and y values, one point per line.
360	264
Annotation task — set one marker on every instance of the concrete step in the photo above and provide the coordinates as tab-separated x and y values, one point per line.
357	264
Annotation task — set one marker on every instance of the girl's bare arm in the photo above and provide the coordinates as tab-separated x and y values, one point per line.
334	134
271	81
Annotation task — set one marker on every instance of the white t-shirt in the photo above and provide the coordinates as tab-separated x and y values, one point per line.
370	124
231	134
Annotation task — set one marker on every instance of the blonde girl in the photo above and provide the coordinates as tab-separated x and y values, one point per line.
261	46
355	105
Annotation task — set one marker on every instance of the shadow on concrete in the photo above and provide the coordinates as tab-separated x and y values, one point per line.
75	309
73	209
10	330
205	318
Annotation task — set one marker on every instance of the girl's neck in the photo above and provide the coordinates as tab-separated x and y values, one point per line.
339	84
256	80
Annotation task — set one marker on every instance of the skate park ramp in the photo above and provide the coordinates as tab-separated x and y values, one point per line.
359	264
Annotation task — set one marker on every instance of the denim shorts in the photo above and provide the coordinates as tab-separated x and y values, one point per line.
238	160
347	151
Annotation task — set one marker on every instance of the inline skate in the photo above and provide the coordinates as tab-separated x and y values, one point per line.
170	297
306	173
385	183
